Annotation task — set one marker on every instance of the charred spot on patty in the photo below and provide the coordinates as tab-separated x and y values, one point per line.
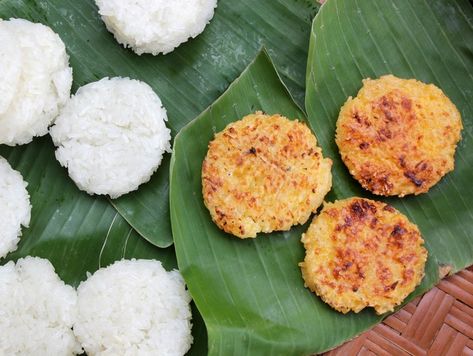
412	177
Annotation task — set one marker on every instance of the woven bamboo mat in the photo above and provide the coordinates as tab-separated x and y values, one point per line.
438	323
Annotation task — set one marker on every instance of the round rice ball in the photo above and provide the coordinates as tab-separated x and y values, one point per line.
15	208
36	80
155	26
37	310
111	136
134	307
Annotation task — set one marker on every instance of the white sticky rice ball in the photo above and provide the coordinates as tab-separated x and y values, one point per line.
37	310
35	80
155	26
111	136
134	307
15	208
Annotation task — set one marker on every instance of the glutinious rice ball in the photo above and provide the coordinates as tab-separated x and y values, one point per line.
134	307
264	173
35	80
15	208
398	136
37	310
362	253
155	26
111	136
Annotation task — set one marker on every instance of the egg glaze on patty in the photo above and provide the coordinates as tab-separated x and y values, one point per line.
264	173
362	253
398	136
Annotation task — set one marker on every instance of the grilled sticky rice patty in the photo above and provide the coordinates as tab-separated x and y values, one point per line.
360	253
398	136
264	173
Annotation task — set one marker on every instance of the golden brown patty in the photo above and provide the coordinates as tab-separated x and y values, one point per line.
361	253
398	136
264	173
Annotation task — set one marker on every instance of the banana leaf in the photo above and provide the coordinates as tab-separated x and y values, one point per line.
92	235
76	232
249	292
187	80
430	41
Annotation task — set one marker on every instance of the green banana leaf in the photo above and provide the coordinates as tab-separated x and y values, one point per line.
187	80
430	41
76	232
190	79
249	292
71	229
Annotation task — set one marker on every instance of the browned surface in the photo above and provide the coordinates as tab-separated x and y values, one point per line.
438	323
264	173
362	253
398	136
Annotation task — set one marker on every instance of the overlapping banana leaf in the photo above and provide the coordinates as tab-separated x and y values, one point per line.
429	40
250	293
187	80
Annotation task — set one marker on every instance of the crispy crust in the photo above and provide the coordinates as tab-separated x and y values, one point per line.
398	136
360	253
264	173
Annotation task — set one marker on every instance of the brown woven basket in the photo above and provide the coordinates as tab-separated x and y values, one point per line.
438	323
